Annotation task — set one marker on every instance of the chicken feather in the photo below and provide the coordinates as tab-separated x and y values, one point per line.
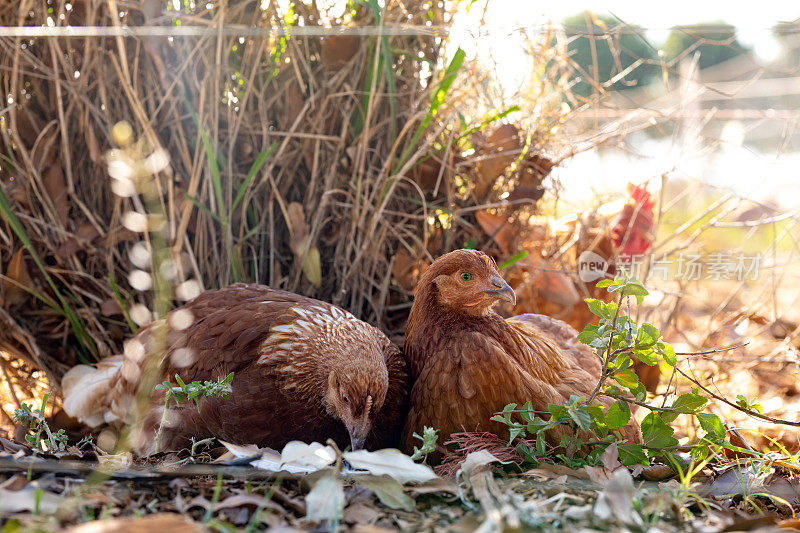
467	362
304	370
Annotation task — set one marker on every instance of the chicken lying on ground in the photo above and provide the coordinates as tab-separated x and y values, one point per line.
304	370
467	362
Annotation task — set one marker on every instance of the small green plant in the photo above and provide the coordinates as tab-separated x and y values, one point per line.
618	341
428	438
42	438
193	391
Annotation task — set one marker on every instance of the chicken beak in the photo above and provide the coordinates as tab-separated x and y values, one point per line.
357	438
501	290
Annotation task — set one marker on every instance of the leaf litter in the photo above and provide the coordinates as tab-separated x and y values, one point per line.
315	485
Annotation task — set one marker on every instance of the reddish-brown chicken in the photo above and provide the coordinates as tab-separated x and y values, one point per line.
467	362
304	370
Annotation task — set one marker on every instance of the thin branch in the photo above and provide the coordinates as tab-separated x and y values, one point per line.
754	414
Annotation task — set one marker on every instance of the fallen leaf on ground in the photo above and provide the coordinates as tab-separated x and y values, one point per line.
552	471
615	503
171	522
360	513
391	462
28	499
17	271
388	491
326	500
314	455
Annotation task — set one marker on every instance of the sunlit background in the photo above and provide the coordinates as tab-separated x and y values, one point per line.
754	156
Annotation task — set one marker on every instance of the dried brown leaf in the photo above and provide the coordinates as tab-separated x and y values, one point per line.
339	49
17	270
56	189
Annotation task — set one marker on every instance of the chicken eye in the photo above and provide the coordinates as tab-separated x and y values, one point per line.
466	276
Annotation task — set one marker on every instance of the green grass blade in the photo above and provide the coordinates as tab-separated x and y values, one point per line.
438	99
518	257
76	323
493	118
36	294
122	304
256	166
201	207
217	182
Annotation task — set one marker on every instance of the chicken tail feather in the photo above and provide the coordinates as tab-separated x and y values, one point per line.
89	392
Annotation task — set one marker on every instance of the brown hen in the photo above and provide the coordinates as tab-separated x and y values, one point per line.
304	370
467	362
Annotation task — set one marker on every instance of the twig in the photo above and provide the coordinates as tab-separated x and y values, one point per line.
716	350
754	414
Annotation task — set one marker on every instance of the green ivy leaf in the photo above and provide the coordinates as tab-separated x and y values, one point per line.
647	357
689	403
648	334
635	288
618	414
667	352
631	454
527	415
528	455
588	334
598	307
715	429
656	433
627	378
700	452
603	283
558	412
600	342
538	425
581	417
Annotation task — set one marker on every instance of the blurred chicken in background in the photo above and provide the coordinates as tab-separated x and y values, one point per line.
546	281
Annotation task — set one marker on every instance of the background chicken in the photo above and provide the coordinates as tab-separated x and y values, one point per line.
304	370
467	362
546	281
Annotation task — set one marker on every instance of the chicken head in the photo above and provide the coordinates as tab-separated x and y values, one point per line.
469	283
354	396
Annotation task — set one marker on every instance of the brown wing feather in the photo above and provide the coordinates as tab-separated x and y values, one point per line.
564	335
389	424
225	335
467	379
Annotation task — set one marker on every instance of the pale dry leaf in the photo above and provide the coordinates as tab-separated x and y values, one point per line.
476	460
615	502
610	457
388	491
300	243
314	455
28	499
361	513
392	463
172	522
326	499
266	459
551	471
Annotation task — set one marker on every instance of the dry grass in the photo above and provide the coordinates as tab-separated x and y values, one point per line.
352	146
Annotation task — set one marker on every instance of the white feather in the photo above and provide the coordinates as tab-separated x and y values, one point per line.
88	392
